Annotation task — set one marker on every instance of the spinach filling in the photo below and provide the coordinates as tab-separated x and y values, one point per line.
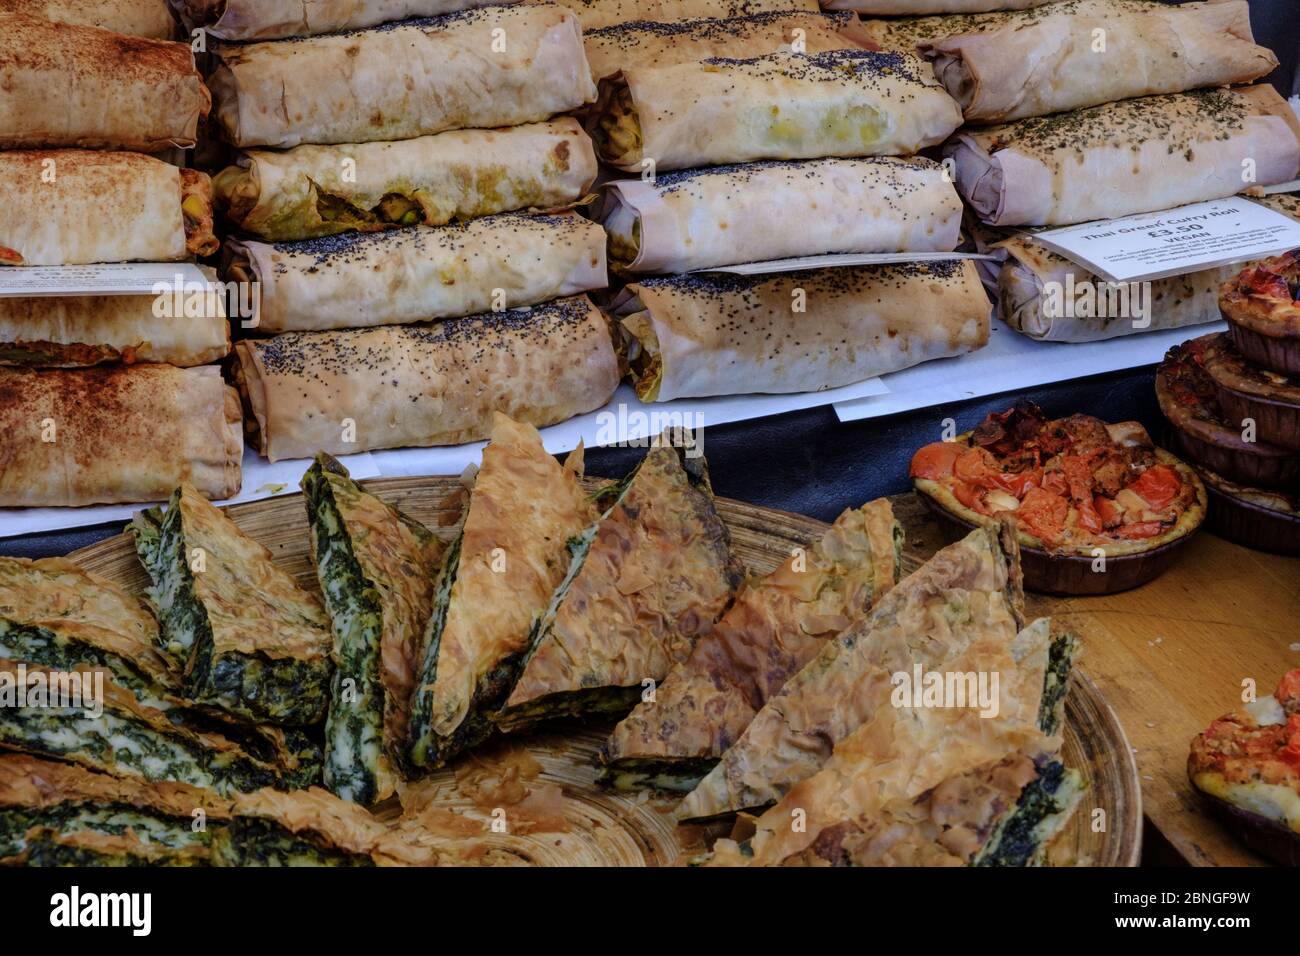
40	645
113	818
253	841
354	728
680	775
1043	808
423	752
44	850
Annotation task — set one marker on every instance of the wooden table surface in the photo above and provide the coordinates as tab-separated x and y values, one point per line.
1171	656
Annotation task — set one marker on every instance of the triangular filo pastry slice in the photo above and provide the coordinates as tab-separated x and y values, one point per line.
646	581
970	591
526	516
775	627
376	569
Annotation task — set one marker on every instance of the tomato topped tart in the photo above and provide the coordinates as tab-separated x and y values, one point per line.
1073	484
1262	305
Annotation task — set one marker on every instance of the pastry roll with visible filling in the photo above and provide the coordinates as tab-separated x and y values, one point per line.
597	14
314	191
278	19
419	273
1139	155
724	215
73	207
376	569
779	106
141	18
117	434
644	584
398	385
967	595
527	515
495	66
80	86
721	334
775	627
246	637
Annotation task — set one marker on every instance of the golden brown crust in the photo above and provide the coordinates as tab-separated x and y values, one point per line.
1260	299
142	18
35	783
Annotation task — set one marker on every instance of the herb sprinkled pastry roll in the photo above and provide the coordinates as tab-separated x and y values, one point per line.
595	14
69	85
778	623
246	637
646	42
419	273
644	583
314	191
1048	60
779	106
719	334
141	18
723	215
526	517
277	19
117	434
422	385
494	66
376	569
1135	156
72	207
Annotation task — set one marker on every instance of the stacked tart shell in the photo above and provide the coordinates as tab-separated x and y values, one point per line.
1263	312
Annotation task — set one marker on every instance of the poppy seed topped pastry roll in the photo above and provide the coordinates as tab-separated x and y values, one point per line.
433	384
67	85
723	215
141	18
277	19
314	191
1130	157
494	66
903	8
596	14
720	334
778	106
418	273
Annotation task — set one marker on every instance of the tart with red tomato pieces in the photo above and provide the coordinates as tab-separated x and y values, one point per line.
1262	306
1248	765
1078	488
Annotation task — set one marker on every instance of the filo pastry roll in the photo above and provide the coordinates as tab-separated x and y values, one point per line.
780	106
595	14
1135	156
912	8
434	384
719	334
494	66
1048	60
1033	280
72	207
419	273
277	19
314	191
723	215
117	434
141	18
67	85
640	43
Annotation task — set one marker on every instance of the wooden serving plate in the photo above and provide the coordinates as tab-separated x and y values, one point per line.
609	828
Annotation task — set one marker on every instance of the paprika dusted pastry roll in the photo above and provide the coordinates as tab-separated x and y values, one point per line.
647	42
314	191
141	18
68	85
494	66
277	19
717	334
1048	60
117	434
1130	157
72	207
436	384
723	215
595	14
419	273
779	106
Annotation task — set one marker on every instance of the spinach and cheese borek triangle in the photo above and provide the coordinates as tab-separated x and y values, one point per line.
775	627
644	583
526	519
376	569
969	592
247	638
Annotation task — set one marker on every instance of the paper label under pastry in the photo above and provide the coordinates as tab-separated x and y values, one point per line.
1175	242
839	259
124	278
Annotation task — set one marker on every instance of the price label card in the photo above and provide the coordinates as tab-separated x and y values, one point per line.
126	278
1175	242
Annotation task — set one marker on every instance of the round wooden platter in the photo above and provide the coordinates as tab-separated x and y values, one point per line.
609	828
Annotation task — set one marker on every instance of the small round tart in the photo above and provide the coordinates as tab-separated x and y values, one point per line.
1253	517
1284	503
1261	303
1246	391
1189	399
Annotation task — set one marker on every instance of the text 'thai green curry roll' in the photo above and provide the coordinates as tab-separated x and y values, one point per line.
376	569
